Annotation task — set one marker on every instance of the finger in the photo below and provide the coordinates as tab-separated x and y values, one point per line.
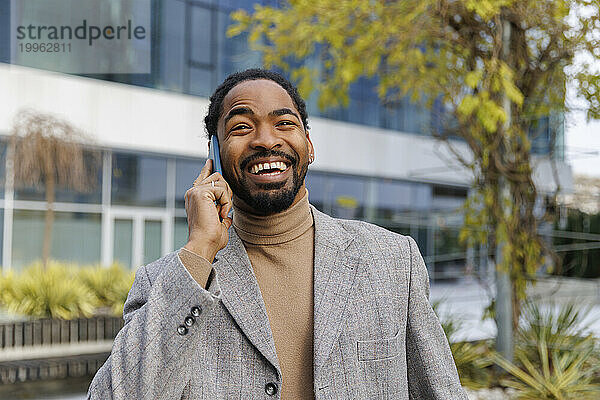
204	172
225	209
227	222
214	177
230	191
223	201
217	194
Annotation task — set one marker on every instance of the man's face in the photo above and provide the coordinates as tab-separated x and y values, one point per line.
260	124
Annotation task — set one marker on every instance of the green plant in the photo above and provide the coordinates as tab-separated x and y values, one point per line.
561	327
110	285
54	292
471	358
555	358
6	284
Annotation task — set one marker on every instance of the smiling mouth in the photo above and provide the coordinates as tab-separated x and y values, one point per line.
268	168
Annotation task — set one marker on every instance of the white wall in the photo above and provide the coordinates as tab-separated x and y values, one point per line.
116	115
131	117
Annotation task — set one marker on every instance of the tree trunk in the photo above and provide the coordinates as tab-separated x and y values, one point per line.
49	220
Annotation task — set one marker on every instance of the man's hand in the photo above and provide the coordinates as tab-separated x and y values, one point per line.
208	199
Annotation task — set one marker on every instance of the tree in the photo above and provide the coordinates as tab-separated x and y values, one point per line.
493	89
50	153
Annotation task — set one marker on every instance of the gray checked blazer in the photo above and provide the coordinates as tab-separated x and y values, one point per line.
375	334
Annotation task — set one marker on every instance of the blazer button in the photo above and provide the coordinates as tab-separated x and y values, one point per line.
189	320
196	311
182	330
271	389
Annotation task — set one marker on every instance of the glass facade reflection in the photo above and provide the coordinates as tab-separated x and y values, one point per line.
186	172
93	161
75	237
123	242
395	198
3	148
152	241
139	180
180	232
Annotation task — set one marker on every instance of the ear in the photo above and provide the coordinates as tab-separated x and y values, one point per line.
311	148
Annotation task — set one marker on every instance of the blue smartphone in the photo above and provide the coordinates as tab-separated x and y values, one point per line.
213	154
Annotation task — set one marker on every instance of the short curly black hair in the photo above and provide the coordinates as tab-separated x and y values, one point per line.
215	107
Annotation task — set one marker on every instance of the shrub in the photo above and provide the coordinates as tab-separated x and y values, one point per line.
110	285
6	284
65	291
471	358
555	358
54	292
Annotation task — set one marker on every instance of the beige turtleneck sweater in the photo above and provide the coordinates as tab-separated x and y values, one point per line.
281	250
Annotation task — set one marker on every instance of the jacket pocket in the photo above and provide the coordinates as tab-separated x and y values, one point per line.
379	349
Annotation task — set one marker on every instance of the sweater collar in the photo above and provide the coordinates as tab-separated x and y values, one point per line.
272	229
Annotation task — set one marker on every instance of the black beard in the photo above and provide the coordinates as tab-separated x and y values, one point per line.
277	198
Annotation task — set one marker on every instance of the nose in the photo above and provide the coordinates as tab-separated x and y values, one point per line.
265	138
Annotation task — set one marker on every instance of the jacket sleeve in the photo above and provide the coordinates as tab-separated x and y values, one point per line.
431	370
151	354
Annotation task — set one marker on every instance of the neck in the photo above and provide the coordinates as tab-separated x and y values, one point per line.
274	228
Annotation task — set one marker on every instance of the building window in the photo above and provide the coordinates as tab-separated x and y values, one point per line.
201	48
233	54
449	198
3	146
171	45
93	162
123	242
337	195
316	185
1	235
186	173
180	232
152	240
75	237
201	28
449	254
394	198
139	180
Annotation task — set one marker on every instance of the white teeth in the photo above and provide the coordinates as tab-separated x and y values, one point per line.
256	168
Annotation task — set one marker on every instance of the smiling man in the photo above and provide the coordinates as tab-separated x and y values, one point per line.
282	301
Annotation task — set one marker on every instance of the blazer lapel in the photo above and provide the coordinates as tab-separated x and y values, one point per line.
242	297
335	264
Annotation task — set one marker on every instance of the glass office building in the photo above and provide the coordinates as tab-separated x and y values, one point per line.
135	211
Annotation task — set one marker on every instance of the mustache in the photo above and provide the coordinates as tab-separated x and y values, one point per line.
268	153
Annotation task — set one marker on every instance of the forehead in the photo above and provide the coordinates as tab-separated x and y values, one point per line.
261	93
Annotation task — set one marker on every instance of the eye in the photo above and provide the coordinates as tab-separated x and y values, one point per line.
240	127
286	123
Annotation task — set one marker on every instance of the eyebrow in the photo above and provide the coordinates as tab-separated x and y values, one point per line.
283	111
245	110
238	111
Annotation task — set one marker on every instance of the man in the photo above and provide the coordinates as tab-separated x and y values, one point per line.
289	303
